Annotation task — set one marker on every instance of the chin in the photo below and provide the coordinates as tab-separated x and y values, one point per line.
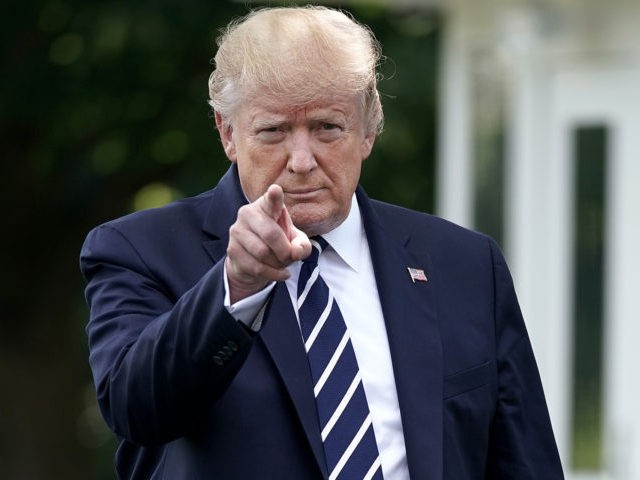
314	222
311	228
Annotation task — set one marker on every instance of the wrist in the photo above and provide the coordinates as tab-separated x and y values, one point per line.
239	289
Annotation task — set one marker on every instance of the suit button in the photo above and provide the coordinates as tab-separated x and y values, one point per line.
217	360
227	351
232	345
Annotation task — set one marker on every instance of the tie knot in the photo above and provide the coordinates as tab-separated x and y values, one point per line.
318	244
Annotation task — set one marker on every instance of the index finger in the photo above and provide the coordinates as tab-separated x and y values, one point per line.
273	201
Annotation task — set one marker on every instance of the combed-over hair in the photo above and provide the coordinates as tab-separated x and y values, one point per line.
298	54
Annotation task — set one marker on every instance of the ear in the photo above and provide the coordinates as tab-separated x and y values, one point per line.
367	145
226	137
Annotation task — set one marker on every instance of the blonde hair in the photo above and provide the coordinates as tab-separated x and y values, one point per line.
298	54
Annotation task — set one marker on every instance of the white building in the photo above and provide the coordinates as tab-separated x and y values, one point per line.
540	124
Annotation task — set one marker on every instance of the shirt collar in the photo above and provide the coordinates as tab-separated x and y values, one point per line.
346	238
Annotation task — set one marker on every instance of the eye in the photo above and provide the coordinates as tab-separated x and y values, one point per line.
329	132
270	134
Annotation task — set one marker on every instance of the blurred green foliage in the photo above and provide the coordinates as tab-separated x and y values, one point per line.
103	110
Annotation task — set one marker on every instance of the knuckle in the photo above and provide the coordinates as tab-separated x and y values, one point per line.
244	212
272	236
261	251
233	230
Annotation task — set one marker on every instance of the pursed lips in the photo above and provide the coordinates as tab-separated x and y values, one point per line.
302	193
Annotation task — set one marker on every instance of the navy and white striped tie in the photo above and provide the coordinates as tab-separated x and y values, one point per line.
347	433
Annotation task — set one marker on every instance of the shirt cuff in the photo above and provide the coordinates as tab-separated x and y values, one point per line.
249	310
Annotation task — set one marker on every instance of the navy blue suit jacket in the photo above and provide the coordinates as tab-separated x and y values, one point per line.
191	395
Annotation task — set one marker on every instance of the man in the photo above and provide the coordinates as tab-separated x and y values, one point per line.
220	349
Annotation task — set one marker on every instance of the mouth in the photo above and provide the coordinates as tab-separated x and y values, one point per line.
302	194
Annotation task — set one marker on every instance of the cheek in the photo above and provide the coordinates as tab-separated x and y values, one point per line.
351	172
258	169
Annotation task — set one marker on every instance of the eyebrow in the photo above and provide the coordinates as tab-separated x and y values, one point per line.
268	122
327	115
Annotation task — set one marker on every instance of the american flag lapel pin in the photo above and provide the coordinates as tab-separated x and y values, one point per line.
417	275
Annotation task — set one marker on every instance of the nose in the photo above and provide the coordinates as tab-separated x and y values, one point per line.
301	158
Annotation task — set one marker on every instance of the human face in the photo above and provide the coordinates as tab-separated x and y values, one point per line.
314	153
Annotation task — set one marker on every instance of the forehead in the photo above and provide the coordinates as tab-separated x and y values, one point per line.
258	108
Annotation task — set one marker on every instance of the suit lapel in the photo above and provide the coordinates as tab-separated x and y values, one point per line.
281	336
221	212
280	333
414	342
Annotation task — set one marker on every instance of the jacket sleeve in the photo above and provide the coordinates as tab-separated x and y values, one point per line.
158	362
522	444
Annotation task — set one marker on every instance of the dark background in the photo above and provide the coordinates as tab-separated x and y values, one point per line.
103	110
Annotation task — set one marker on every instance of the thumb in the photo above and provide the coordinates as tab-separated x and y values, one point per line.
300	244
285	222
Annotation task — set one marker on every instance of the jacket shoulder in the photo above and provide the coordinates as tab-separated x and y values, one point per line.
188	211
428	228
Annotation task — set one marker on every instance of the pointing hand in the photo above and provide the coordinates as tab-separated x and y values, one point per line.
262	243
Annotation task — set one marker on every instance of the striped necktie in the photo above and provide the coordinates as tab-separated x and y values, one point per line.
347	433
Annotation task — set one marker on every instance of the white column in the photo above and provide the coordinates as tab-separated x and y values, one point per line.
622	334
454	183
538	223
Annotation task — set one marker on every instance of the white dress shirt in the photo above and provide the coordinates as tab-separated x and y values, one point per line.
347	269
